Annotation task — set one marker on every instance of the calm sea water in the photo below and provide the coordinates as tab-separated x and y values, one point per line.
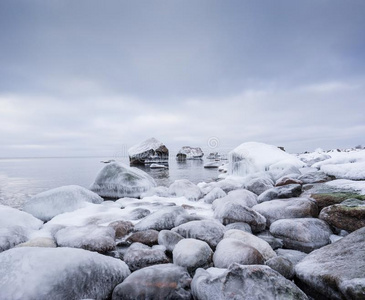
21	178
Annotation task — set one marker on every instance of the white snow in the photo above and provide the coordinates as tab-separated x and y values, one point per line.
214	194
118	180
13	217
50	203
254	157
58	273
185	188
347	185
144	146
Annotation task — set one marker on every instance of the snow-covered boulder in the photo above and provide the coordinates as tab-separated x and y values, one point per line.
187	152
209	231
255	157
287	209
239	226
280	192
92	237
231	251
214	194
13	217
243	282
12	236
58	273
260	184
314	177
185	188
118	180
348	215
335	271
241	196
169	239
192	254
167	281
56	201
249	239
161	191
148	151
140	256
306	234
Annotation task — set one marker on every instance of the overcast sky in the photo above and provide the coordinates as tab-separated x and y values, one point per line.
93	77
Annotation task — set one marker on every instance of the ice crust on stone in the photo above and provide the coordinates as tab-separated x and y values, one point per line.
56	201
190	152
144	146
58	273
13	217
185	188
255	157
347	185
214	194
118	180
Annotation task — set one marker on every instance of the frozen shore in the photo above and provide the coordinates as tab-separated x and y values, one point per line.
277	226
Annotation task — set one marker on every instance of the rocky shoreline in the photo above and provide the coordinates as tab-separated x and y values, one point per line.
274	228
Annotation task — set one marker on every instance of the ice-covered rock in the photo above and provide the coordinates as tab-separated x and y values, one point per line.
122	228
150	150
39	242
231	250
58	273
287	209
243	282
240	196
11	236
167	281
314	177
249	239
161	191
13	217
169	239
56	201
255	157
140	256
162	219
282	265
91	237
239	226
214	194
258	185
118	180
306	234
335	271
147	237
209	231
288	179
187	152
185	188
274	242
344	185
294	256
348	215
232	212
280	192
192	254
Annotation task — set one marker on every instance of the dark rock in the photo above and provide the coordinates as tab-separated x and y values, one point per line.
294	256
165	281
287	180
122	228
274	242
282	265
280	192
150	150
327	199
148	237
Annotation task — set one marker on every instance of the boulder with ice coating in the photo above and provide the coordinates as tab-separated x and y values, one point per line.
169	239
147	237
185	188
91	237
258	185
209	231
294	256
314	177
287	209
231	251
187	152
13	217
58	273
167	281
51	203
306	234
118	180
282	265
139	256
243	282
11	236
122	228
192	254
148	151
214	194
249	239
240	196
255	157
239	226
335	271
280	192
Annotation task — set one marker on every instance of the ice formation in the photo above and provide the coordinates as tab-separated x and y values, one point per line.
254	157
13	217
118	180
149	151
51	203
185	188
58	273
187	152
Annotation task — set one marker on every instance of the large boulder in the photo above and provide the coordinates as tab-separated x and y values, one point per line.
148	151
327	199
282	265
335	271
185	188
287	209
139	256
13	217
255	157
167	281
49	204
243	282
306	234
241	196
91	237
187	152
209	231
294	256
231	250
280	192
349	215
192	254
58	273
118	180
249	239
